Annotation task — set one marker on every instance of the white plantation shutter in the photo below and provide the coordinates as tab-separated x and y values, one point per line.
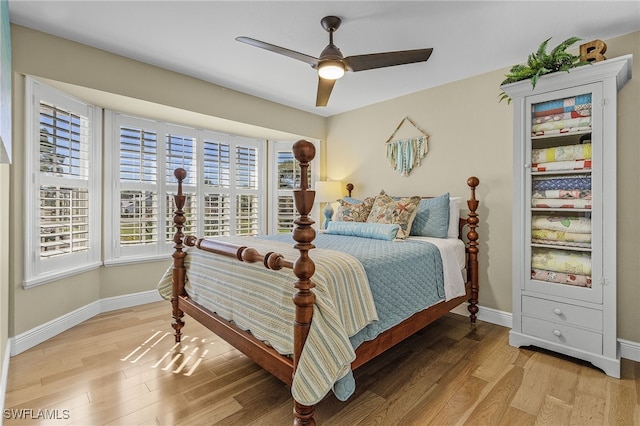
216	187
247	200
217	213
64	220
217	164
64	166
138	217
63	198
190	226
138	193
286	212
180	150
134	212
222	188
285	177
247	215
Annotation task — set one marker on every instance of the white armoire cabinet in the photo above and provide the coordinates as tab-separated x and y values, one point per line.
564	212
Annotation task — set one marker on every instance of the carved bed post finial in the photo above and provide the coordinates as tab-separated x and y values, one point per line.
472	249
178	256
304	299
349	188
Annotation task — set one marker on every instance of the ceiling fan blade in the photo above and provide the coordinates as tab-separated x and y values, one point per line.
386	59
281	50
324	91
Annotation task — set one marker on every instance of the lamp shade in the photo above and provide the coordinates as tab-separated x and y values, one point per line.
328	191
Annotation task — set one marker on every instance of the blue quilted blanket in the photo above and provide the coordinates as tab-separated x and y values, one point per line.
405	276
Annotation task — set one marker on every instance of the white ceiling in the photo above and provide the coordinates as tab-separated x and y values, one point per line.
197	38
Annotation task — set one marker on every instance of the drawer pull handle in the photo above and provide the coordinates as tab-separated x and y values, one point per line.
557	311
557	332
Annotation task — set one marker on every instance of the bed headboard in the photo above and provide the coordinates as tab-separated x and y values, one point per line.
472	204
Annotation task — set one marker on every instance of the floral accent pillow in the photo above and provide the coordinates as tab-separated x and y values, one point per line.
357	211
401	211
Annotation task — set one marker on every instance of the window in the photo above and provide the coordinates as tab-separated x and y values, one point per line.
285	176
231	188
224	195
63	196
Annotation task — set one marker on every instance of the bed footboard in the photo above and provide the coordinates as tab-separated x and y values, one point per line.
303	268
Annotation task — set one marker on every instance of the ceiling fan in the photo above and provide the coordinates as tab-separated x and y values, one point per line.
331	64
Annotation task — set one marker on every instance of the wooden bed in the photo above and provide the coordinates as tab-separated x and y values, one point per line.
284	367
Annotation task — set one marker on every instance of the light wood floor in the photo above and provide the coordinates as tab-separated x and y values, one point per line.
123	368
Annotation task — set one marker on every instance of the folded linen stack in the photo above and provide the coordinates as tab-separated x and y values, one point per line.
561	230
561	158
561	266
562	116
572	191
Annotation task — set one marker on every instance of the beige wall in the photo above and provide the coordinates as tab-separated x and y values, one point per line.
126	85
471	134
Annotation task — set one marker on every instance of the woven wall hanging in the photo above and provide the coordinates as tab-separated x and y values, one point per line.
405	154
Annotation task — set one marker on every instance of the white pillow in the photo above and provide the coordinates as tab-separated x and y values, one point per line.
454	216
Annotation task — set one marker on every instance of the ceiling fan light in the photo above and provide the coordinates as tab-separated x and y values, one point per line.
331	69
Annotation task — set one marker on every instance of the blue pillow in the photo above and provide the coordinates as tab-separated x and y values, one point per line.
351	200
376	231
432	218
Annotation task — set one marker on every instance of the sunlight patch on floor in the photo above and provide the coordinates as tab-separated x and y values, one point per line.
192	353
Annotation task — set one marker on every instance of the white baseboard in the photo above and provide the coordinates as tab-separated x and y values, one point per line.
489	315
129	300
628	349
35	336
18	344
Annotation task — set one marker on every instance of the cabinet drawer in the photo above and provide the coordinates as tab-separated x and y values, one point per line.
563	334
562	313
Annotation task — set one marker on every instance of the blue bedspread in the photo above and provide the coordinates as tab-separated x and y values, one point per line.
405	276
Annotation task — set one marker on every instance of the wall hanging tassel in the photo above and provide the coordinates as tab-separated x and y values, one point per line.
405	154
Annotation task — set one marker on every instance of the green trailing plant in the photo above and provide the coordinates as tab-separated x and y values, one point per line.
540	63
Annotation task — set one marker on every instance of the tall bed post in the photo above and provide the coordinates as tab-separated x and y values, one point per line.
472	247
303	268
178	257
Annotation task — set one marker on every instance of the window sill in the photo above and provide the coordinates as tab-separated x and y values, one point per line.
58	275
137	259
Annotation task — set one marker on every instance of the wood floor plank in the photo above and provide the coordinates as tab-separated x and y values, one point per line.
446	404
514	417
448	373
587	410
492	407
494	365
553	412
620	404
535	384
359	408
564	381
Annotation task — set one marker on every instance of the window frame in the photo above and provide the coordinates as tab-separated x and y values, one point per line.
38	270
115	253
275	191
